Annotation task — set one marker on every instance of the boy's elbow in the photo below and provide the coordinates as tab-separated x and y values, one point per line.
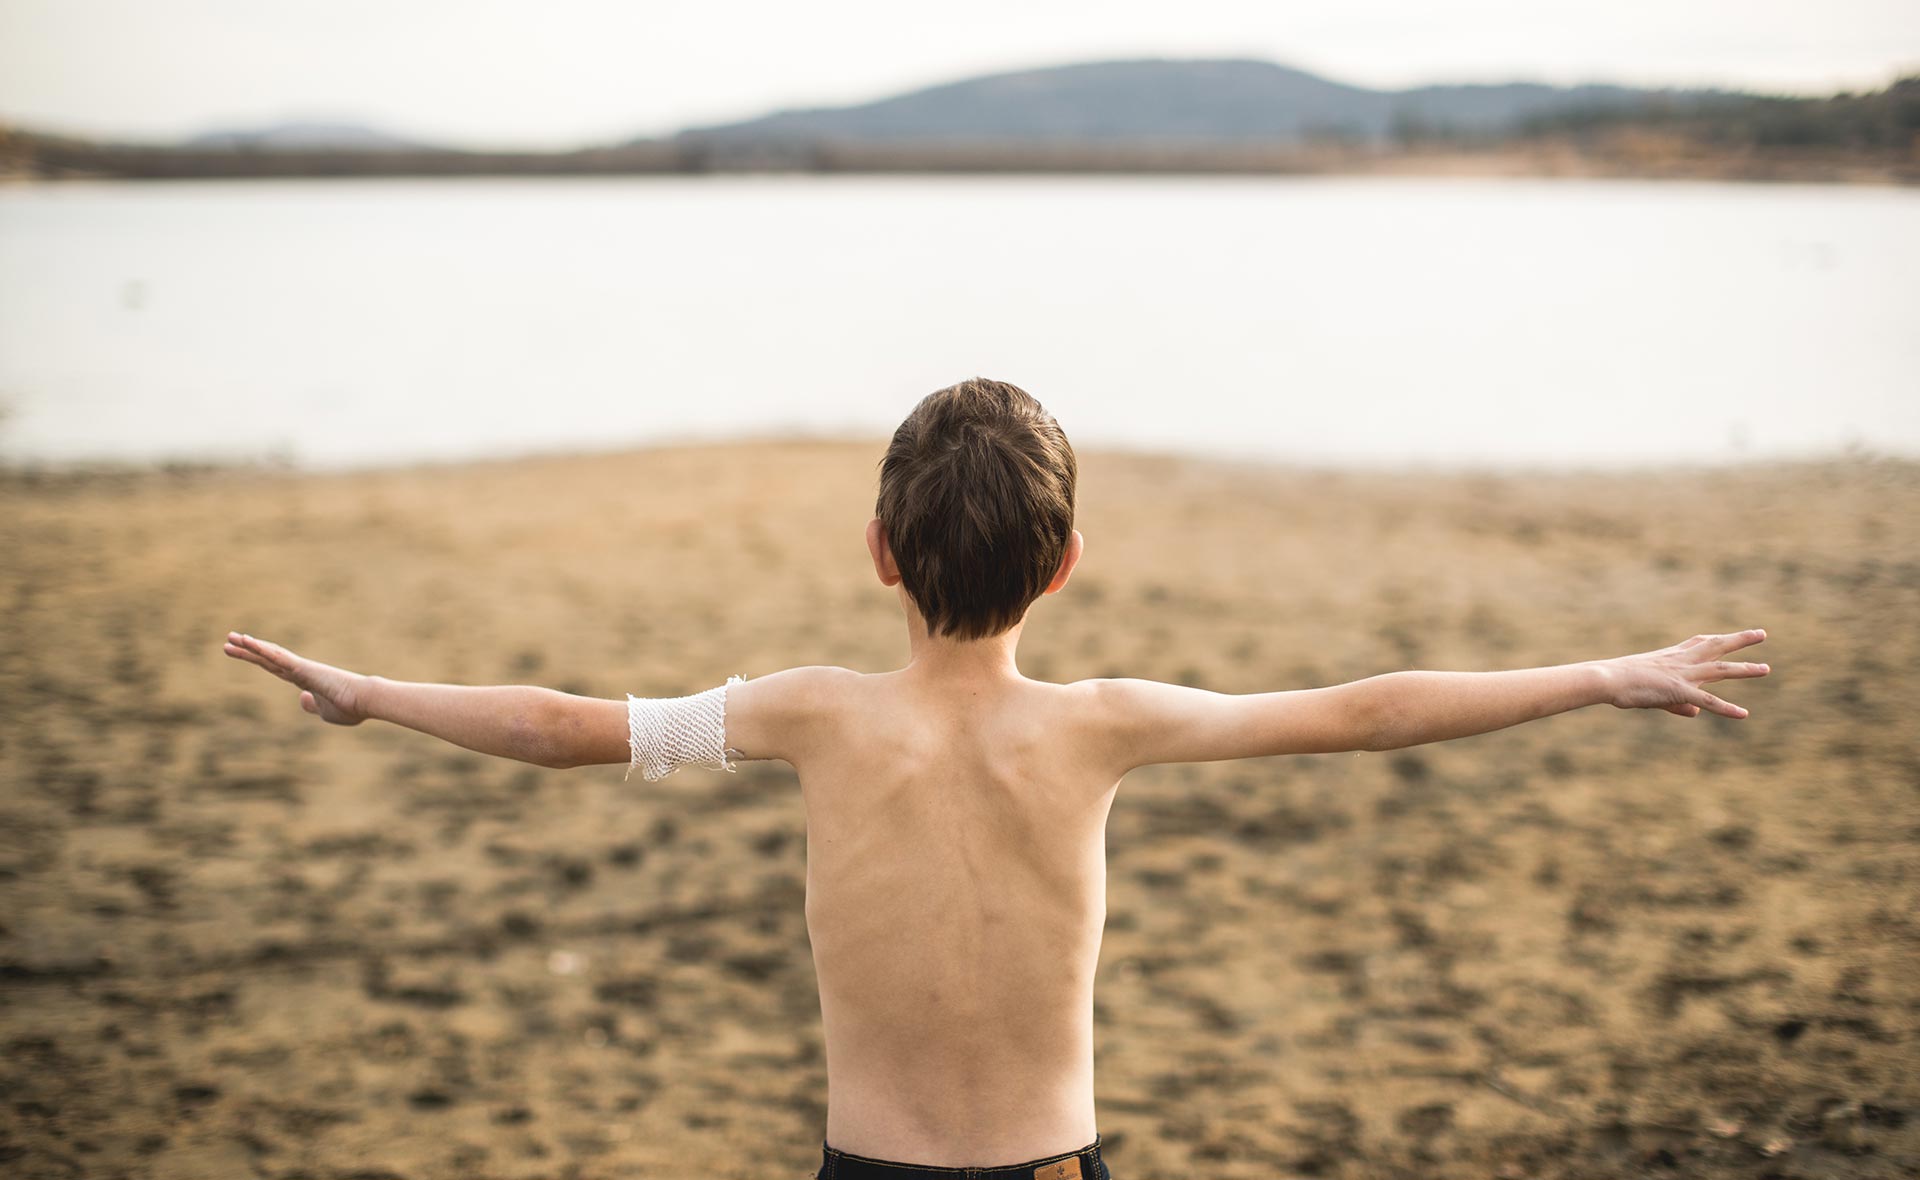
1376	740
1341	719
535	735
1375	725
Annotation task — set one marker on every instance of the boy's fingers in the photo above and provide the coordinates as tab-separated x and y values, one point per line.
1720	645
308	703
1724	708
250	657
271	651
1734	670
260	661
268	656
282	660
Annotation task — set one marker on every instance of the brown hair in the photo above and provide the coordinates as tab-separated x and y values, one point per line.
976	497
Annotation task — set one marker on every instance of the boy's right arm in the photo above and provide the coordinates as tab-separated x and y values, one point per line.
774	716
1149	722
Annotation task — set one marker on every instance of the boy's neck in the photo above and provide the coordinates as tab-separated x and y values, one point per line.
962	659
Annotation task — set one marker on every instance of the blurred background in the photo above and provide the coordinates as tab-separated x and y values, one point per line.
504	343
1327	226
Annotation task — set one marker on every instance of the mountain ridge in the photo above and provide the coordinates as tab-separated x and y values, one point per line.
1130	117
1193	100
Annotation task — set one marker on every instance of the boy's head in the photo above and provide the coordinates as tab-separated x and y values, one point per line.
975	512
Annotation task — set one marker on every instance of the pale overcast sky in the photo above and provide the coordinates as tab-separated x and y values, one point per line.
560	72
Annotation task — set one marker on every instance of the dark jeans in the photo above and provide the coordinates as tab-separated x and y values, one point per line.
1084	1164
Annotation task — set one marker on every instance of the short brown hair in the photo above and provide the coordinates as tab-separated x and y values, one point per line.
976	497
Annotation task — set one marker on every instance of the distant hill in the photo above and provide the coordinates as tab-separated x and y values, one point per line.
304	137
1176	101
1143	117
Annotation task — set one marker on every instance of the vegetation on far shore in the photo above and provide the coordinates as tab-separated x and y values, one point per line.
1493	130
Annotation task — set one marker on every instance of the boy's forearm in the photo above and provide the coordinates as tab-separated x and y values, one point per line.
506	720
1417	707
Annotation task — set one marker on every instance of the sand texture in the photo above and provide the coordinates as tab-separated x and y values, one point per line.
237	942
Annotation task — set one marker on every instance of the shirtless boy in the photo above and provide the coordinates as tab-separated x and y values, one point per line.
956	810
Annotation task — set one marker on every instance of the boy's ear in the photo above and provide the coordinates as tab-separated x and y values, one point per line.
1076	544
882	554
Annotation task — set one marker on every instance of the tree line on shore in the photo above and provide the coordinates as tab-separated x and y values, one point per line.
1873	135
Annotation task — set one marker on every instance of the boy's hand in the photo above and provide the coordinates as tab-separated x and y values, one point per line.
1670	678
334	694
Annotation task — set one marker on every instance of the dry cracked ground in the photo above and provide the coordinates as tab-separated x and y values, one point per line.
235	942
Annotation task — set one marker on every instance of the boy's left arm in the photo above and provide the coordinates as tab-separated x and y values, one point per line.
1417	707
765	718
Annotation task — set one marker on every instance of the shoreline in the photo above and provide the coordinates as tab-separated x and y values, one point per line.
32	473
1645	157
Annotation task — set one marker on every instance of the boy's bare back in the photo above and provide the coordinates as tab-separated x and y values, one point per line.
956	894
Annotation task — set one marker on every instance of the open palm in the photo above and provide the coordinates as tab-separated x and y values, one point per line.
330	693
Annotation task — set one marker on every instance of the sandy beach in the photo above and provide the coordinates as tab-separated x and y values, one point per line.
237	942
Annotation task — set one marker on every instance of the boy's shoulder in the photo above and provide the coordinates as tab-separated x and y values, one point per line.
811	687
780	714
792	690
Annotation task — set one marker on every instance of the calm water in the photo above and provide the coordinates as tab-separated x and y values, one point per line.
1440	322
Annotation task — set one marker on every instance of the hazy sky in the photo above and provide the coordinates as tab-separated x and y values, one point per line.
538	72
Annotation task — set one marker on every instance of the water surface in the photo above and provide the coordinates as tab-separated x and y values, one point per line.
1439	322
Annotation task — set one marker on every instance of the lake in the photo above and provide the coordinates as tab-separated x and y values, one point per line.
1340	321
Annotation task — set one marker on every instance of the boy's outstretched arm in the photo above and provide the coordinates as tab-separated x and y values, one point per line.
765	718
522	722
1152	722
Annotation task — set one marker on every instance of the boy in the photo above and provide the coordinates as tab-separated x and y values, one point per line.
956	811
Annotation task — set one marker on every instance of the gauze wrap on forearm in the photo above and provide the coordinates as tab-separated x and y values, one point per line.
665	735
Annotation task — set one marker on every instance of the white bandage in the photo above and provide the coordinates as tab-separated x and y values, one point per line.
665	735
